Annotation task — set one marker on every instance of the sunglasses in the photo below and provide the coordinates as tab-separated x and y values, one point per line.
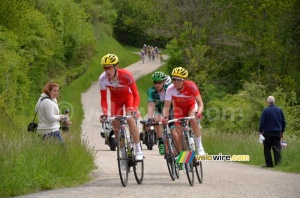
177	79
158	82
107	68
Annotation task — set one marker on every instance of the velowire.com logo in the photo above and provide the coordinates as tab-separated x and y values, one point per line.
188	156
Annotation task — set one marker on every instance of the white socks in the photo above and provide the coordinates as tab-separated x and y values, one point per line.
199	142
137	147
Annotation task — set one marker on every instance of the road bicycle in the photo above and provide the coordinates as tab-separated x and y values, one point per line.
187	146
149	138
169	146
126	153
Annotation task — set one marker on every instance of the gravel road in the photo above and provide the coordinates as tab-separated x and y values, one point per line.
221	179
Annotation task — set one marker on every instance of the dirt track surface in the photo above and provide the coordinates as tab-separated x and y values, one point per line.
221	179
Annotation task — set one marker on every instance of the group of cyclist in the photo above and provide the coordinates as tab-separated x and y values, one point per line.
151	52
169	96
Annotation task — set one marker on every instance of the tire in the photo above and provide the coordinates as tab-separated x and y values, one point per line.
122	173
113	144
138	169
151	140
199	170
177	170
189	167
145	141
170	163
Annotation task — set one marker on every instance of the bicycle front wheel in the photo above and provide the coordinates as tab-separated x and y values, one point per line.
189	167
199	170
122	160
170	159
151	140
138	169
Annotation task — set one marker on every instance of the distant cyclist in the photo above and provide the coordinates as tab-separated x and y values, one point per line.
149	50
156	96
186	100
123	93
153	54
142	54
145	48
156	52
161	57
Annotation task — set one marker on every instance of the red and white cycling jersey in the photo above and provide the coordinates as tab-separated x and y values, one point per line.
184	99
123	92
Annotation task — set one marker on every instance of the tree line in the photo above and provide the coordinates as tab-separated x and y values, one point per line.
238	52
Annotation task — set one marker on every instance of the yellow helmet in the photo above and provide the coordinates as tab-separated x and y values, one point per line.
180	72
109	59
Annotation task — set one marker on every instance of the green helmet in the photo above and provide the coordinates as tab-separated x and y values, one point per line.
158	76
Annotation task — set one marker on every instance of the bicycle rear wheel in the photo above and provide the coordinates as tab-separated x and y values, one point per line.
122	160
199	170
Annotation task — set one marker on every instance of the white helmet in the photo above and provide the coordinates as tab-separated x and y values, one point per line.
168	80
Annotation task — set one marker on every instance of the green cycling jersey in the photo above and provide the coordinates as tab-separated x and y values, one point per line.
157	98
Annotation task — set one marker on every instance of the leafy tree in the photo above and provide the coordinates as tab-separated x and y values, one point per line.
135	21
100	11
14	79
46	39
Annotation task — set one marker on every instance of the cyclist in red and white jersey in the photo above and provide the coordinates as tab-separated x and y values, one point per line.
123	93
187	101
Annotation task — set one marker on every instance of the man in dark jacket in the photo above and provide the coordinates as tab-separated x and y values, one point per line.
272	126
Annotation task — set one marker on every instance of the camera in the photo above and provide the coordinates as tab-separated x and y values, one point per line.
32	127
65	120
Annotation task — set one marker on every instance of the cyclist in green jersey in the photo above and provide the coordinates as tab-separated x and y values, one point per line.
156	96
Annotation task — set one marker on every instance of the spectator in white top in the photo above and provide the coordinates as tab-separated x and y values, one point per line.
48	112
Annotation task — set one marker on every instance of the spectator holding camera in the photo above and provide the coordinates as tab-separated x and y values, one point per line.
48	112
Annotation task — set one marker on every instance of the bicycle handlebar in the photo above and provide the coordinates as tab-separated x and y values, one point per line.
179	119
120	118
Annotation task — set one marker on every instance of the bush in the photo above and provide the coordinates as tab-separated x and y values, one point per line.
241	112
